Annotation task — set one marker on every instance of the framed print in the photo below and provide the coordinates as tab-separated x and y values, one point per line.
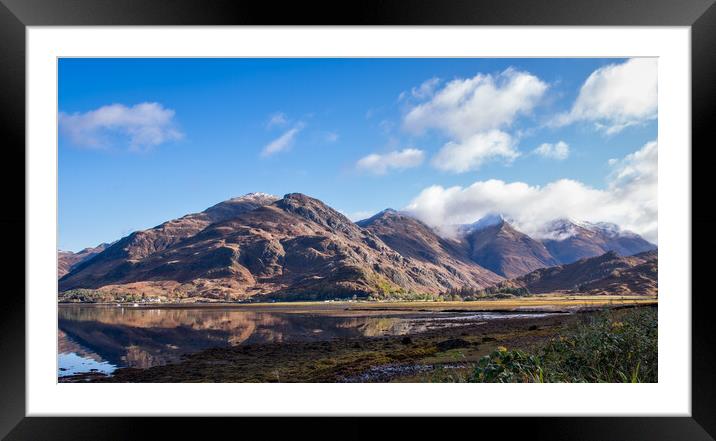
451	210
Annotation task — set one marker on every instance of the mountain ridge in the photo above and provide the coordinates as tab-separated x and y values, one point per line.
293	246
140	244
506	251
608	273
67	260
297	247
572	240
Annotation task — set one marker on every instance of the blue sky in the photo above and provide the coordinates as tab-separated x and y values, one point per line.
142	141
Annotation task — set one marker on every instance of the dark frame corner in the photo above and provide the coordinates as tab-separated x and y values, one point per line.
15	15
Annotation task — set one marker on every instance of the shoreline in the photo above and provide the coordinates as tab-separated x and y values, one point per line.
377	358
335	360
532	304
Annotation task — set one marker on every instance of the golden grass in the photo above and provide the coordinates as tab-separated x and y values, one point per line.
536	303
545	301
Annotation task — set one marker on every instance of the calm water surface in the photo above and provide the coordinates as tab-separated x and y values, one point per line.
103	338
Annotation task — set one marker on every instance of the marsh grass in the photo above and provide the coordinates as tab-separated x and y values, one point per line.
611	347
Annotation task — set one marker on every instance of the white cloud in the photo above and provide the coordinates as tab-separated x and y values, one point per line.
557	151
426	89
634	180
616	96
399	160
464	107
277	119
283	142
143	125
474	151
639	166
629	200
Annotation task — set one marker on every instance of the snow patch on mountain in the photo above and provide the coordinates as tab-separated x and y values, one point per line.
564	228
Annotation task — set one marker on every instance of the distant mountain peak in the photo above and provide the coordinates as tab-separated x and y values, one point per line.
566	227
316	211
66	260
570	240
561	229
231	207
499	247
488	220
254	197
294	201
257	195
297	196
608	273
612	230
388	213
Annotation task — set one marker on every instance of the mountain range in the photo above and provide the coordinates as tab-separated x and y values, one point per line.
297	247
67	260
608	273
569	240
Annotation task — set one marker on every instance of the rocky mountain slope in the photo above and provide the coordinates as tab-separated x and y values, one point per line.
294	247
121	256
502	249
569	241
297	247
67	260
411	238
609	273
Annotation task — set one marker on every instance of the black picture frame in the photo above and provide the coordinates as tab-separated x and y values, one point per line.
16	15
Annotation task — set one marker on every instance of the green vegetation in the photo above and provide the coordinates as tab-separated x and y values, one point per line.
497	291
387	288
465	294
613	347
81	296
515	291
409	297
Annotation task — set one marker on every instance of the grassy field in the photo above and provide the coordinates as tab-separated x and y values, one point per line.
537	303
547	302
528	301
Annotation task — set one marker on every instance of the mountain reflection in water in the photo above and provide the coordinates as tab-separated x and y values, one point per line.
107	337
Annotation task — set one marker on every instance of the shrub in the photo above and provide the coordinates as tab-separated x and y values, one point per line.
503	366
610	348
80	296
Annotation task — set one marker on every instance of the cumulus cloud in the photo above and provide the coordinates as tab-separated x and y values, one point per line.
474	113
143	126
557	151
629	199
398	160
283	142
639	166
475	150
464	107
616	96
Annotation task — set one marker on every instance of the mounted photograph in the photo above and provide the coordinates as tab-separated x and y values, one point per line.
357	220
